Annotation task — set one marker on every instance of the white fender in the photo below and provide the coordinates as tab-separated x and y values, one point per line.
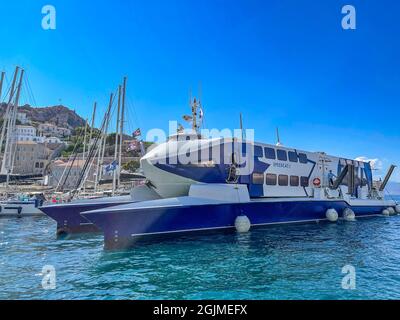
332	215
242	224
398	208
385	212
391	210
349	215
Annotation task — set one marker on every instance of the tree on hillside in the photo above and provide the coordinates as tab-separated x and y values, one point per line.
131	166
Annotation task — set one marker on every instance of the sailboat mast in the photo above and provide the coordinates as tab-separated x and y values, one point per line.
92	125
7	115
90	140
11	132
1	83
116	140
84	140
121	130
194	115
100	172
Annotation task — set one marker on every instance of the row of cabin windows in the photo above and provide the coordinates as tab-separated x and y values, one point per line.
281	180
281	155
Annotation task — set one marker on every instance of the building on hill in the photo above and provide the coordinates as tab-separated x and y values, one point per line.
31	158
27	133
51	130
53	140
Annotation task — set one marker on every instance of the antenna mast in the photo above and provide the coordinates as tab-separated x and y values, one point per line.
278	137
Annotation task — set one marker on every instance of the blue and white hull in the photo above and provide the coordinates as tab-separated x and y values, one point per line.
124	226
68	215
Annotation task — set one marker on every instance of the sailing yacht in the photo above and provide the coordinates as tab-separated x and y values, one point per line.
20	205
68	215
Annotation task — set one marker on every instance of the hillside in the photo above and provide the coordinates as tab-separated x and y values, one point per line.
58	115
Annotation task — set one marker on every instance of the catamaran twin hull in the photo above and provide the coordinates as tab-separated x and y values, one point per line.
68	215
125	226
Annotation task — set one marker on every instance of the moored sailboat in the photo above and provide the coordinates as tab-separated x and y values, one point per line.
20	205
68	215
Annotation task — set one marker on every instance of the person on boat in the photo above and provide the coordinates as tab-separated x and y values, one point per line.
331	178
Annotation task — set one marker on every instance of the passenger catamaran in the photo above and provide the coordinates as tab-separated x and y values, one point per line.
220	192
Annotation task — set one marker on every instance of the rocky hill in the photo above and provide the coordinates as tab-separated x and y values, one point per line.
58	115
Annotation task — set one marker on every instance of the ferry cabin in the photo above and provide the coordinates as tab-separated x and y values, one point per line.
276	171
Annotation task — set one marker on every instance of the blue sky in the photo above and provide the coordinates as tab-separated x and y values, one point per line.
285	63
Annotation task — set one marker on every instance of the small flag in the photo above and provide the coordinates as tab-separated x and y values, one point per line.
112	166
137	133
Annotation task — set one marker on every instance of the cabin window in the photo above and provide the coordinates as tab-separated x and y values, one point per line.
283	180
292	156
303	158
305	182
258	178
270	153
258	152
294	181
282	155
271	179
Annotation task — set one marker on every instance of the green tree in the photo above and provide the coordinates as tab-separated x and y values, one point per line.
131	166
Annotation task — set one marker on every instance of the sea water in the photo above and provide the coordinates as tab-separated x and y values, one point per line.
309	261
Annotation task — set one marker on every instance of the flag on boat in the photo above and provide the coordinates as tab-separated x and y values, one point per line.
137	133
112	166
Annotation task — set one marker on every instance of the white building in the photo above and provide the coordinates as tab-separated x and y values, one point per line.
53	140
51	130
27	133
26	130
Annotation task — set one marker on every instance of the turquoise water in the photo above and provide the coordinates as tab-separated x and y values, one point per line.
280	262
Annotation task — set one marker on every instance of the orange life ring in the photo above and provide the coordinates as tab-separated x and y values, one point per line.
317	182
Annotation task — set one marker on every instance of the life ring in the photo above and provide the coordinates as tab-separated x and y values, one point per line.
317	182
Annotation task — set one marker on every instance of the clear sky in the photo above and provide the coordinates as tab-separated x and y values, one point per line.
285	63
